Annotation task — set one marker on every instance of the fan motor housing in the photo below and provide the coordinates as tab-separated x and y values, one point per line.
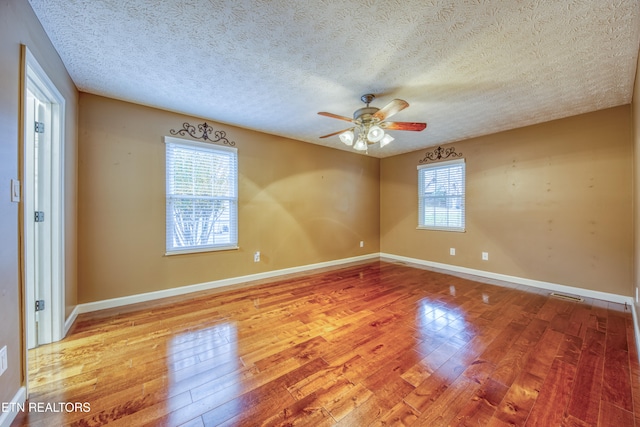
365	114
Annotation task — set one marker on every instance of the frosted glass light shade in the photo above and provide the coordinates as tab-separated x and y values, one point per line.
361	144
347	137
375	134
385	140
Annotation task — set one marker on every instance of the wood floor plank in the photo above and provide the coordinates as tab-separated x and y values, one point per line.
481	407
444	408
400	415
570	349
579	321
496	351
541	356
302	412
518	401
432	388
613	416
425	367
512	361
367	414
373	343
585	398
550	406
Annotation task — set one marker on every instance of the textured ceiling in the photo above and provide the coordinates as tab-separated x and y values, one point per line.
466	67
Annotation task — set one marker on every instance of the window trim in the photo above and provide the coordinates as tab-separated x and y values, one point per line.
234	200
421	198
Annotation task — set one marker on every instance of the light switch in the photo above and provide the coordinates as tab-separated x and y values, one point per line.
15	190
3	360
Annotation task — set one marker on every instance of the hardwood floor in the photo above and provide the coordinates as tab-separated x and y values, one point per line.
374	344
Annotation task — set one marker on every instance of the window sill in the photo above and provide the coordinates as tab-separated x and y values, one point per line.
455	230
203	250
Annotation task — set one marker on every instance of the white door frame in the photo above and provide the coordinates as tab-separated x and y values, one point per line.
36	80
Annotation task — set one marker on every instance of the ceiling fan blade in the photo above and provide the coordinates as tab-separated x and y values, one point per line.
390	109
335	116
417	127
336	133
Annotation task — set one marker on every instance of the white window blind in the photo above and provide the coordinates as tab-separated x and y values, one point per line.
441	193
202	196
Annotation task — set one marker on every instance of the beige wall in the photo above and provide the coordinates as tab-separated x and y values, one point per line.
299	203
19	25
551	202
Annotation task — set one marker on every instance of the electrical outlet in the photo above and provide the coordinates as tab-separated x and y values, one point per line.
485	256
452	251
362	243
256	257
3	360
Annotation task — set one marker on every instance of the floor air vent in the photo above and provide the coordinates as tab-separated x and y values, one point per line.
566	297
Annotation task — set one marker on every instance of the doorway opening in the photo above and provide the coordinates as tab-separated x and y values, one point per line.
42	207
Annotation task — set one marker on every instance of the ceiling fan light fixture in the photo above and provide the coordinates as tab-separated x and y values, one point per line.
375	134
385	140
347	137
369	124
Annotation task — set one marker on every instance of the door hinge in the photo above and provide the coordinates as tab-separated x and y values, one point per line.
40	305
39	127
39	216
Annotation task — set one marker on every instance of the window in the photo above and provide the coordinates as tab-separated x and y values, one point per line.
441	196
202	196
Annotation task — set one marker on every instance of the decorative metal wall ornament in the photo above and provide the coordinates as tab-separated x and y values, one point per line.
206	130
440	154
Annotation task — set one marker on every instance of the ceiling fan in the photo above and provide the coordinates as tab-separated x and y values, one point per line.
370	124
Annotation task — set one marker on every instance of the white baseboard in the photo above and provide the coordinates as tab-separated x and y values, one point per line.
183	290
514	279
150	296
635	329
70	320
6	418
